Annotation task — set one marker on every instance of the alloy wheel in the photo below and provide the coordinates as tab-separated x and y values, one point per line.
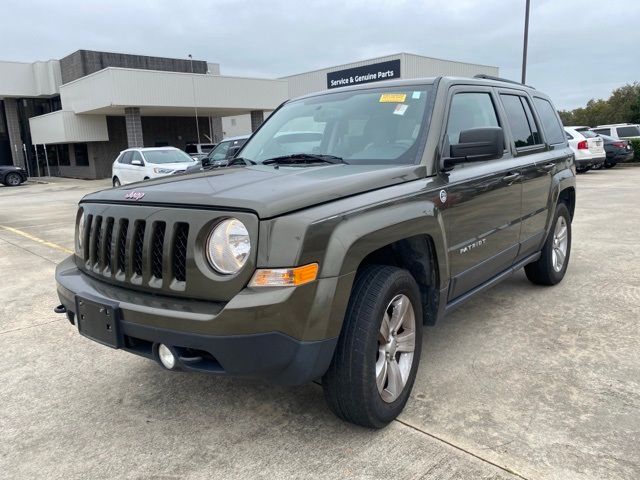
560	244
396	345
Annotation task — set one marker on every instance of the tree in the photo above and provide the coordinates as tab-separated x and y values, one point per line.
623	106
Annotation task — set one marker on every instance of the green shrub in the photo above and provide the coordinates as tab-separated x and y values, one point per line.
635	143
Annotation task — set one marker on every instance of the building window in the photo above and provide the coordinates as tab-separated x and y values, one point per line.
81	154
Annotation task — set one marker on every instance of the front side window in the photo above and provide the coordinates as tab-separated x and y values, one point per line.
220	152
470	110
166	156
521	122
373	126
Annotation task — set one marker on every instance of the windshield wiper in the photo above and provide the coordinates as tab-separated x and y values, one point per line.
303	158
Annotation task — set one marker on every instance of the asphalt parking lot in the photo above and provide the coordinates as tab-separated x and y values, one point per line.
521	382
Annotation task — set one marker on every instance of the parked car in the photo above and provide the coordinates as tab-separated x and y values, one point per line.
11	176
221	154
623	131
587	146
326	263
617	151
198	149
137	164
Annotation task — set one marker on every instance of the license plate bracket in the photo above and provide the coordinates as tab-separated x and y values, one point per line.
98	321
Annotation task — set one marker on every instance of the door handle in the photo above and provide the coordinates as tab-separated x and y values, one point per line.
548	166
510	177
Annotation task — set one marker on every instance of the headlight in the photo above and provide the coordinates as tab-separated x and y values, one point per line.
80	230
228	246
162	170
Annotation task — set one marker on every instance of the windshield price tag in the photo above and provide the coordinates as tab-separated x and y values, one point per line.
400	109
393	97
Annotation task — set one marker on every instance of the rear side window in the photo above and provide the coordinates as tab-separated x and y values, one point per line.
550	123
632	131
523	127
588	133
602	131
470	110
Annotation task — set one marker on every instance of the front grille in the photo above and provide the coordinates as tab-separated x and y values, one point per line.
158	250
122	248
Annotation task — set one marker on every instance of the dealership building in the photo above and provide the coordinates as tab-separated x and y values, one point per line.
71	117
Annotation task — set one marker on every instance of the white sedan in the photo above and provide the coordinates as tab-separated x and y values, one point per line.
138	164
587	147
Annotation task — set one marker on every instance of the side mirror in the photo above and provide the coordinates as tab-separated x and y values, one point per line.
233	151
475	145
137	163
205	162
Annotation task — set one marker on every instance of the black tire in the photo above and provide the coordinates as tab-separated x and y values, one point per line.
116	182
610	165
542	272
350	382
12	179
583	170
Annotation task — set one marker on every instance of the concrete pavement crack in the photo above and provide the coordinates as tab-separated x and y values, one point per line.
461	449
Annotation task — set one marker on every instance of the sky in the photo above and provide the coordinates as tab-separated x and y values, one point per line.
578	49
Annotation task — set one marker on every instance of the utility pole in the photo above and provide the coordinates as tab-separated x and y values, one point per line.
195	103
526	42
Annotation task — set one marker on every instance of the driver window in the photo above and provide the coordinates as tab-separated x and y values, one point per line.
470	110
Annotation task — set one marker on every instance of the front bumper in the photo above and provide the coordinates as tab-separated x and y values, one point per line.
254	334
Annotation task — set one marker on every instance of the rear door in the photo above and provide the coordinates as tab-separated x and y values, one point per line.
483	199
535	163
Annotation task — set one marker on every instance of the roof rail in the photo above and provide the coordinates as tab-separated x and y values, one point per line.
498	79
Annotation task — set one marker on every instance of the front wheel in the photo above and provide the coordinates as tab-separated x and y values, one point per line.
12	180
550	268
610	165
373	369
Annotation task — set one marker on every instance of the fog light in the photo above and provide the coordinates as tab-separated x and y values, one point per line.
167	358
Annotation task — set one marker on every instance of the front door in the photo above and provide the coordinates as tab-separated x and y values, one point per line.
483	199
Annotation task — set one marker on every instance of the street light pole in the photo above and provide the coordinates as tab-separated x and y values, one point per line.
195	103
526	42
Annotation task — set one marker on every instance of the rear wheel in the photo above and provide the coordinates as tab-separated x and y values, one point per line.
116	182
550	268
12	180
610	165
373	369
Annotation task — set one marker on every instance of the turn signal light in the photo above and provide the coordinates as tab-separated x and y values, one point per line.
284	277
583	145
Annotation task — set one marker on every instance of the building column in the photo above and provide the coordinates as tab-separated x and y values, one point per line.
216	129
257	117
134	127
13	126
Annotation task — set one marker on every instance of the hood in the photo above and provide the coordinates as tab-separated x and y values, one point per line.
265	190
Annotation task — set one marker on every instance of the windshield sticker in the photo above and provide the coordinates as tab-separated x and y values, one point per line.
416	95
400	109
393	97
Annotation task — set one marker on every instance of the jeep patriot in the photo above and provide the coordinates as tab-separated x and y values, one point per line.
350	219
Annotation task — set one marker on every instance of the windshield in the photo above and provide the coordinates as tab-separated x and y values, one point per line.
166	156
372	126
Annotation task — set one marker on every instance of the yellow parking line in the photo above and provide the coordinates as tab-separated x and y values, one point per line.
36	239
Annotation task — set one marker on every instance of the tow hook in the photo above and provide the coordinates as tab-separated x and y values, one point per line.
60	309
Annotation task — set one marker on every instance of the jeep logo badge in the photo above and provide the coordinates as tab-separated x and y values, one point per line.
134	195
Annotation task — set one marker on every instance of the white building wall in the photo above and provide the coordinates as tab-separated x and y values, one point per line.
411	66
18	79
